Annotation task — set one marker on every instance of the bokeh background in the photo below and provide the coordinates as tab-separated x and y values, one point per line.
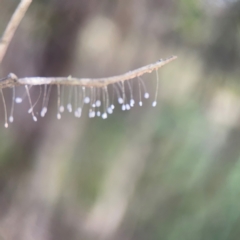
170	172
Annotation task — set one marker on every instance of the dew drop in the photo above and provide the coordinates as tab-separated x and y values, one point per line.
140	103
61	109
79	112
112	106
132	102
128	107
6	125
69	107
30	110
110	110
76	114
87	100
154	104
43	112
91	114
58	116
18	100
120	100
11	119
98	103
146	95
123	107
34	118
104	116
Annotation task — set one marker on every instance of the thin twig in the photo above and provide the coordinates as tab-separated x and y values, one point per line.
12	80
12	26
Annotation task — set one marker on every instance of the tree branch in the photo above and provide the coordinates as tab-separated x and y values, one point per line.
12	80
12	26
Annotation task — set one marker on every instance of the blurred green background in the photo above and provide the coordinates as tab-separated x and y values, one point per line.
170	172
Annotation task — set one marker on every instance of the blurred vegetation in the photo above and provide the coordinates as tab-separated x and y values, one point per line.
170	172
